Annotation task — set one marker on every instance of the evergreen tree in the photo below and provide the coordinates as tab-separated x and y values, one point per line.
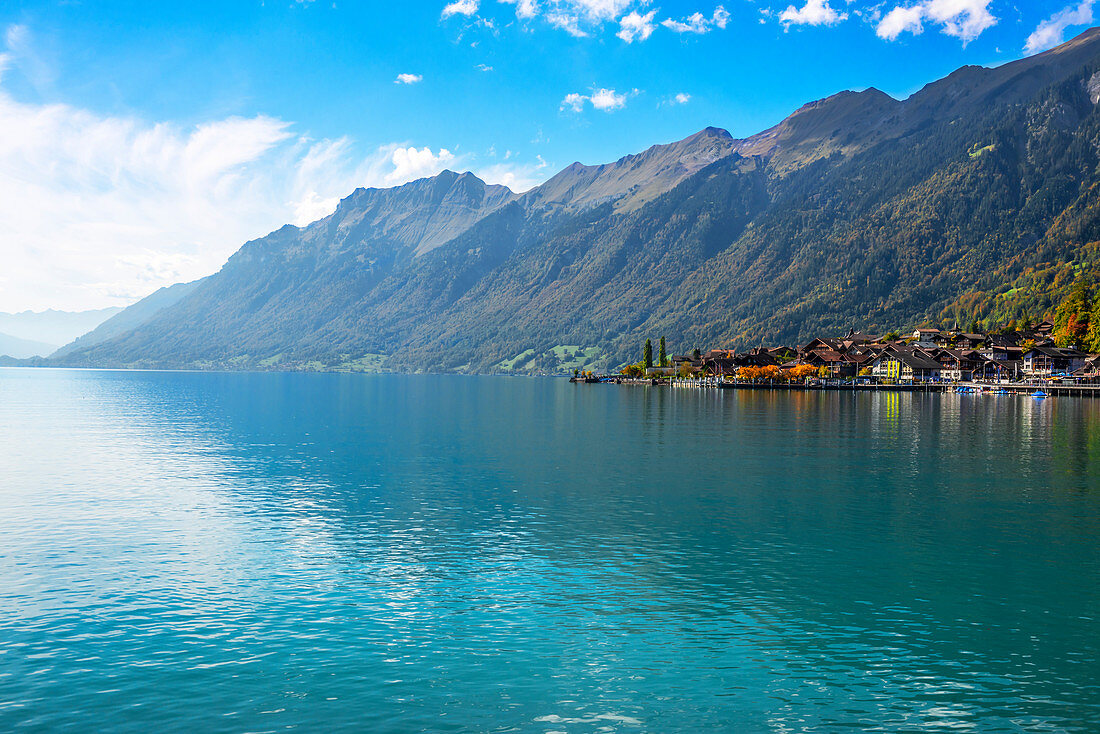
662	356
647	354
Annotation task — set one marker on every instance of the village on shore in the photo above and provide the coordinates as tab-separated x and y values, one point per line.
926	356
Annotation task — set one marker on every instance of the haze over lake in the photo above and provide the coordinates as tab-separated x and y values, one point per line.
320	552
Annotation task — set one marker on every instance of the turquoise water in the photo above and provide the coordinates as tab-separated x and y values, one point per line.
264	552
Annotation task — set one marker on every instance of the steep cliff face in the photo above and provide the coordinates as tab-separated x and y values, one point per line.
856	210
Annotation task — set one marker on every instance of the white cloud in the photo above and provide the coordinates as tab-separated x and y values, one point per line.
963	19
636	27
408	79
1052	31
483	67
698	23
460	7
574	102
607	100
682	98
901	20
518	178
598	10
102	210
410	164
525	9
814	12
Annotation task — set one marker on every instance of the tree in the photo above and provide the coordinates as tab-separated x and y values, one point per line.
1092	337
1071	319
662	356
891	336
800	371
647	354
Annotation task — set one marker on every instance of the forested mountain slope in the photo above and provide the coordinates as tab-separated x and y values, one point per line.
858	210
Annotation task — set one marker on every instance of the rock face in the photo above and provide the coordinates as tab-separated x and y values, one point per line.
856	210
632	181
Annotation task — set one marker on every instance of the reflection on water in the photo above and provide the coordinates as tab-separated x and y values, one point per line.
256	552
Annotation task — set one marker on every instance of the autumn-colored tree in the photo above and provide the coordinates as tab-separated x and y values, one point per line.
802	371
633	370
1092	334
1071	318
771	372
749	373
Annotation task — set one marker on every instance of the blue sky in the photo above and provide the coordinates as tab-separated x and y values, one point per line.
147	141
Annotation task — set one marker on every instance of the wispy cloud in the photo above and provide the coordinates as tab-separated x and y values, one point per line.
408	79
677	99
635	20
698	23
1052	31
963	19
100	210
605	100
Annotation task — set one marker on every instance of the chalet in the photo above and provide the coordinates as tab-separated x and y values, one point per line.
930	336
971	341
837	364
1003	354
1052	361
1090	371
999	370
688	362
720	361
757	357
906	365
819	344
1011	339
959	364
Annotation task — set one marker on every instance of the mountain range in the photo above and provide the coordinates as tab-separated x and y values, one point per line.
978	197
40	333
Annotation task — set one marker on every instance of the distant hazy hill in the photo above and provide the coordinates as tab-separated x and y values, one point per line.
43	331
123	321
11	346
858	209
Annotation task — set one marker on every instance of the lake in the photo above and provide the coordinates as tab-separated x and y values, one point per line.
271	552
